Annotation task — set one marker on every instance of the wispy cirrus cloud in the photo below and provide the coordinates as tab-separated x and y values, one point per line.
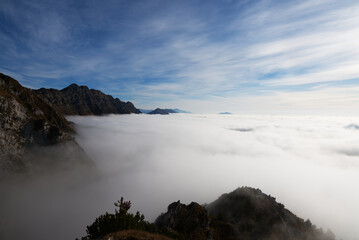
184	49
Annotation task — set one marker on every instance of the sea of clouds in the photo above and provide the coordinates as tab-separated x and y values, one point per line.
310	164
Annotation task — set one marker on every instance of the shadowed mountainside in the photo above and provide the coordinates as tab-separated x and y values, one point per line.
31	129
245	214
80	100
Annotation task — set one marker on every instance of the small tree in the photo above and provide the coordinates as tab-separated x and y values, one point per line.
121	220
122	205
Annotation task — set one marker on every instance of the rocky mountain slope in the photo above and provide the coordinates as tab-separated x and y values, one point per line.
246	214
80	100
30	128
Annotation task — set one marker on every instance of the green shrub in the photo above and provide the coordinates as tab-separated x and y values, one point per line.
121	220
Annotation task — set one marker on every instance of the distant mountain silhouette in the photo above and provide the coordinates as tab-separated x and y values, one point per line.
180	111
145	110
80	100
162	111
225	113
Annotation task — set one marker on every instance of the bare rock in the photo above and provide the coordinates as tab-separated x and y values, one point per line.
28	122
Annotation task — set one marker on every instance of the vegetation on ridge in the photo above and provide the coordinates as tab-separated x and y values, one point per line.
244	214
121	220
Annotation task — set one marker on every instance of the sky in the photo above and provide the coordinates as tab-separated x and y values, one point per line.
260	56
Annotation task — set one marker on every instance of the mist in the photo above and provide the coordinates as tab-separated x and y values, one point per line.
310	164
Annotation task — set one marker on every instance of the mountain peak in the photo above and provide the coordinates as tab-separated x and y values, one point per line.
73	85
245	213
80	100
10	84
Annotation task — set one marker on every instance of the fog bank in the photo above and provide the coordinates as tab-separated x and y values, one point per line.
310	164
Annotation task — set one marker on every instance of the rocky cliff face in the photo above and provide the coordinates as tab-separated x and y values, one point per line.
28	126
80	100
245	214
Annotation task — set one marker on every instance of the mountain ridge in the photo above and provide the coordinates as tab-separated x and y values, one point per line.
245	213
80	100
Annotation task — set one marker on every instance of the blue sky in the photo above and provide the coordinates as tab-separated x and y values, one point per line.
203	56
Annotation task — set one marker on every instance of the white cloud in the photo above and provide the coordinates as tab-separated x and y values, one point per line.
185	67
319	100
184	51
311	47
310	164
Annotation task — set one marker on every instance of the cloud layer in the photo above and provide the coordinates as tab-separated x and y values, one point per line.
310	164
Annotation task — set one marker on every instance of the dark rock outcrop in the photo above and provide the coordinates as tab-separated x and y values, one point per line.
28	127
191	221
80	100
245	214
